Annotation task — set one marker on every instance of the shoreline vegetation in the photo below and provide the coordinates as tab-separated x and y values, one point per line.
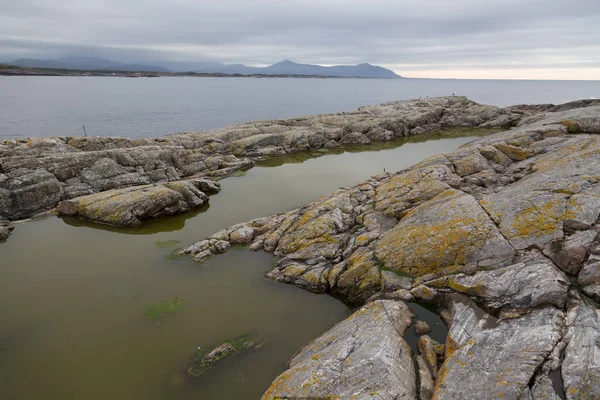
13	70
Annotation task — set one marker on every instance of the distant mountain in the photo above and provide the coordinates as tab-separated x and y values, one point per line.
290	68
347	71
283	68
87	63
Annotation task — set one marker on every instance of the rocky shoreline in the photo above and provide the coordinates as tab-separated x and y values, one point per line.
501	234
37	174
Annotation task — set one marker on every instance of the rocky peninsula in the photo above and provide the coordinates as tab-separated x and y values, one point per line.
502	235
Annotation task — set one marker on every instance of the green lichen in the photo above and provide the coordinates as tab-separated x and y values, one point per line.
239	343
157	310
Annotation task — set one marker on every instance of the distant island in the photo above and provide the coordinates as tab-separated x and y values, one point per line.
92	66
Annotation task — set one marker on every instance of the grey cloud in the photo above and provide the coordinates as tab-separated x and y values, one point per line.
411	34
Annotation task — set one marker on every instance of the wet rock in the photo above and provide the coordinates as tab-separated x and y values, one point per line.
422	327
363	356
207	358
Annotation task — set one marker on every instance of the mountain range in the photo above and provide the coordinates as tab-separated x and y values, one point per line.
283	68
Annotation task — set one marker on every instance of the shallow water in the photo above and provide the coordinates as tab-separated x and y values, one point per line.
73	294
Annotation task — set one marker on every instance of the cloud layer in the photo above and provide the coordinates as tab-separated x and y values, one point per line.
408	36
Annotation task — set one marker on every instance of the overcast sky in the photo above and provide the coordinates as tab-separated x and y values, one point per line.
556	39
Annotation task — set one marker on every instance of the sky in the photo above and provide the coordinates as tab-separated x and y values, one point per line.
504	39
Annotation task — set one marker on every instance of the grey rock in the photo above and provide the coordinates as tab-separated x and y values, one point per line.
581	365
418	244
392	281
5	231
422	327
427	350
489	358
570	253
426	380
361	357
529	284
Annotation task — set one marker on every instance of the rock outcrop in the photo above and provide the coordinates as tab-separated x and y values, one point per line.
364	356
503	234
130	206
5	230
37	174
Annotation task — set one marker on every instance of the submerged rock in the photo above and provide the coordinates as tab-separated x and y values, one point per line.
206	359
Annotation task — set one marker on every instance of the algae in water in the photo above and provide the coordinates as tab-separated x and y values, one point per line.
157	310
166	244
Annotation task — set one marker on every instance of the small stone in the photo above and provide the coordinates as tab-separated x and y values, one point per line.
242	235
422	327
426	293
203	256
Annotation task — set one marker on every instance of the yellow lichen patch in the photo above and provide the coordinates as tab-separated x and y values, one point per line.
361	273
404	191
477	289
572	126
515	153
315	231
543	219
441	235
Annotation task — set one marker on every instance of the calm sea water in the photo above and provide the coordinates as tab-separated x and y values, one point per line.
58	106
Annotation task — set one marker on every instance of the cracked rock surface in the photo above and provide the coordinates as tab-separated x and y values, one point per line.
363	357
502	234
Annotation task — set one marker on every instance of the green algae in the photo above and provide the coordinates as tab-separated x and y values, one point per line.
157	310
166	244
